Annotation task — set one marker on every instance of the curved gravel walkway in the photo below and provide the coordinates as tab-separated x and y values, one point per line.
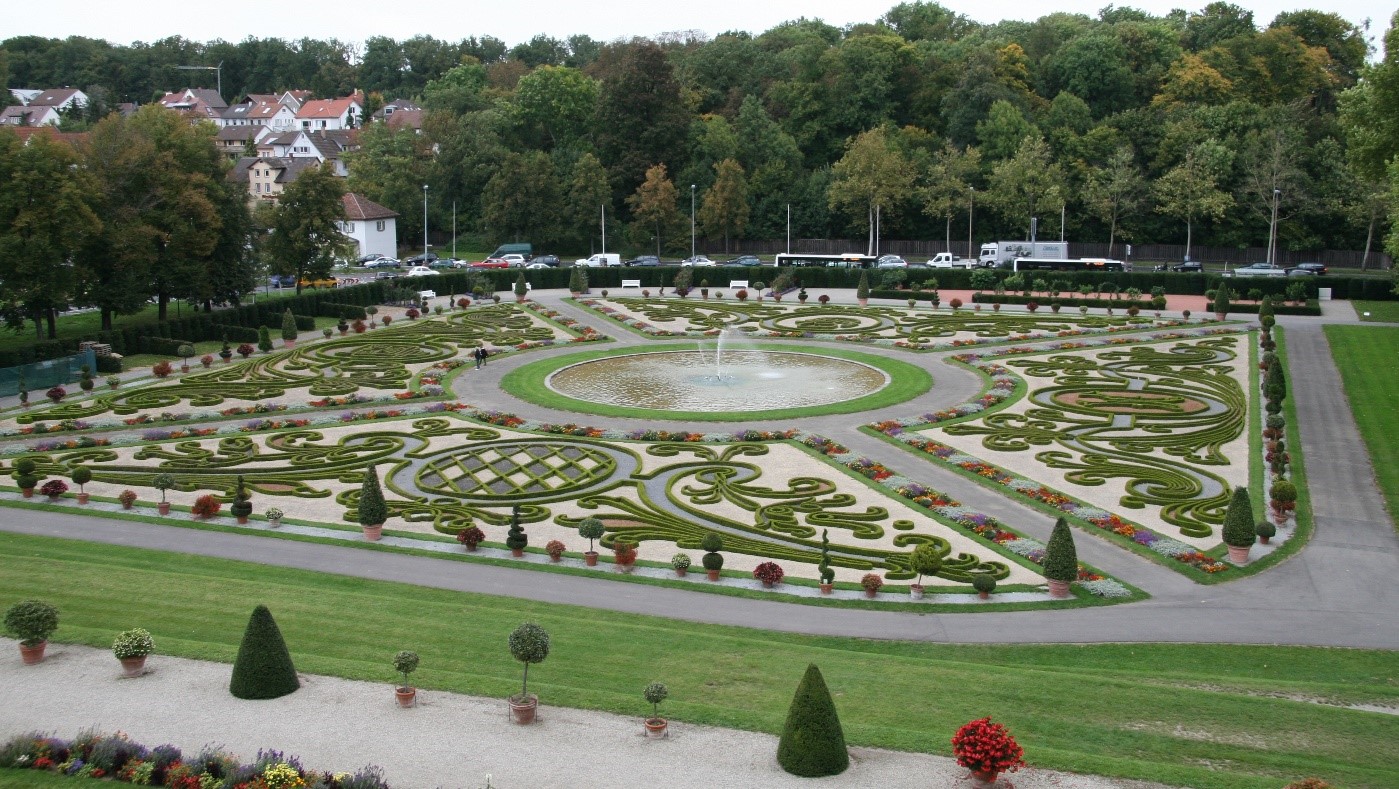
449	740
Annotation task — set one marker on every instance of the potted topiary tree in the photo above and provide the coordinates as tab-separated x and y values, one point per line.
86	382
185	351
1060	559
162	483
1265	531
655	693
872	582
925	561
131	647
984	584
288	329
624	554
264	339
263	668
577	282
828	576
555	550
372	509
1221	302
81	476
471	537
515	538
26	476
712	560
32	622
242	506
226	353
862	291
680	563
521	288
590	529
758	290
1238	526
1282	495
405	663
529	643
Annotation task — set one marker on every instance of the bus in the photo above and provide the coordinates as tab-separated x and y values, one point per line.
1064	264
847	260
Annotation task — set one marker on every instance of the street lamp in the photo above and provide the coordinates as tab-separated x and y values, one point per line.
971	201
692	221
424	224
1273	230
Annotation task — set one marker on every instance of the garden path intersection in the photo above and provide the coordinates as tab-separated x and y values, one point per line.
1333	592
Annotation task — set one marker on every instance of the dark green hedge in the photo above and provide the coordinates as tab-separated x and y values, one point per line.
349	312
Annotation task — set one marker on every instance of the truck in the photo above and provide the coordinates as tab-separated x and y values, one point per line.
600	259
1002	254
949	260
524	250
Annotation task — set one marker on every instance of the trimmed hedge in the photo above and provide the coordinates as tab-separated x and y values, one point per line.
812	743
349	312
263	669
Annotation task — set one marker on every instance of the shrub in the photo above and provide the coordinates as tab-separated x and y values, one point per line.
359	327
274	514
712	559
208	359
245	350
862	290
823	299
206	506
161	369
515	538
1283	496
624	551
412	314
387	319
925	561
590	529
127	498
1060	557
554	548
133	644
769	573
463	302
81	476
955	304
1238	520
31	621
577	280
983	746
405	663
162	483
263	668
471	536
1220	302
984	582
872	582
1265	529
529	643
824	568
288	325
680	561
54	488
264	339
812	743
372	510
185	351
26	466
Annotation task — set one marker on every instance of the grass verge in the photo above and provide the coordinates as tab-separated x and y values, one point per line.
1199	715
1377	311
1365	357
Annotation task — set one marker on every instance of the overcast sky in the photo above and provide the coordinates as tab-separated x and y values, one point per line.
516	22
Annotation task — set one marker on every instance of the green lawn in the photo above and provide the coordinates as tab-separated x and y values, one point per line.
1196	715
1377	311
1365	356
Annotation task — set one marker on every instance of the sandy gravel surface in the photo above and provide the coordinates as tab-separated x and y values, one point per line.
448	741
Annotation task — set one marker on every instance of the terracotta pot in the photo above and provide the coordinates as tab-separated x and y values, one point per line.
915	592
870	593
133	666
113	386
1263	540
242	519
713	575
655	728
28	493
983	777
373	533
767	584
863	302
984	595
34	654
1058	589
407	697
206	364
826	588
288	343
163	507
126	505
53	499
184	368
517	552
1238	555
83	497
680	572
555	557
470	547
590	558
523	712
226	359
1219	316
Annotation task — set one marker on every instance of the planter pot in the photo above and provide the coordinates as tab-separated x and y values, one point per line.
242	519
984	595
126	505
863	302
555	557
184	368
288	343
34	654
523	712
113	386
1219	316
163	507
655	728
53	499
870	593
983	777
590	558
133	666
407	697
1238	555
1263	540
226	359
1058	589
767	584
827	588
713	575
83	497
373	533
625	567
517	552
915	592
28	493
207	364
275	523
519	299
680	572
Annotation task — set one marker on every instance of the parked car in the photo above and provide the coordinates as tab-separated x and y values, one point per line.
363	259
444	263
319	282
1189	265
383	263
890	261
545	261
644	260
282	280
1316	268
386	275
1257	270
420	271
1301	272
744	260
534	264
492	263
699	261
515	261
421	259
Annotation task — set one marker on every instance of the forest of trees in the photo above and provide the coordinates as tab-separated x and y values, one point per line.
1153	129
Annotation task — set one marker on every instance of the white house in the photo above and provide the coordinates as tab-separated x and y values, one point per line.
373	227
20	115
331	114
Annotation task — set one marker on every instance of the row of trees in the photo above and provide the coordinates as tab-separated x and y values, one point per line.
140	210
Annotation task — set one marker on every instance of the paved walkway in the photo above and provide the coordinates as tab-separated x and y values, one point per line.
1336	592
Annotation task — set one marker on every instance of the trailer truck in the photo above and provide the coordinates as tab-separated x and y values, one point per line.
1002	254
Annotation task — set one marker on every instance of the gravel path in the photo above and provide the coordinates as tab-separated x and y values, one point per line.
448	741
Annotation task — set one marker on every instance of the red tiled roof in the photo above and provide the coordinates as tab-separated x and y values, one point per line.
324	108
361	208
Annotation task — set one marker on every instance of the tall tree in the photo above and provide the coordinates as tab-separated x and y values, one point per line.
390	167
556	106
948	184
306	237
1115	189
725	206
522	200
641	120
1190	192
589	198
653	207
1027	183
872	177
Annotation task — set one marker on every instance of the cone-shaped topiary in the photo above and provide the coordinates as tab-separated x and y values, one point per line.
1238	520
1275	383
288	325
263	669
577	280
1221	300
1060	557
521	287
862	291
264	339
372	509
812	743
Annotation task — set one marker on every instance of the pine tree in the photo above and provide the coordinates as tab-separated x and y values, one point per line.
263	669
812	743
1060	557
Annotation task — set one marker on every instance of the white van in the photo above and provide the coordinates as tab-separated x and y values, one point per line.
599	260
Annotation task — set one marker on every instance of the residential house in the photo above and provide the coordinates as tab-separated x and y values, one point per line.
20	115
41	107
60	99
332	114
235	142
373	227
266	178
197	103
324	146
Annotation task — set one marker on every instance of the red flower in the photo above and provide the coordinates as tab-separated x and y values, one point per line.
983	746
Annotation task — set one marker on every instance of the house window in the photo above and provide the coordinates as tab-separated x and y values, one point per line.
349	227
379	226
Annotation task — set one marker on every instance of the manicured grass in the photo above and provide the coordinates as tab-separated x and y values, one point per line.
1365	357
906	381
1377	311
1197	715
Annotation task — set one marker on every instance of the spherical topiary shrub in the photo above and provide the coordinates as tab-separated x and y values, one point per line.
590	529
984	582
712	559
1060	556
31	621
812	743
263	669
529	643
1238	521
